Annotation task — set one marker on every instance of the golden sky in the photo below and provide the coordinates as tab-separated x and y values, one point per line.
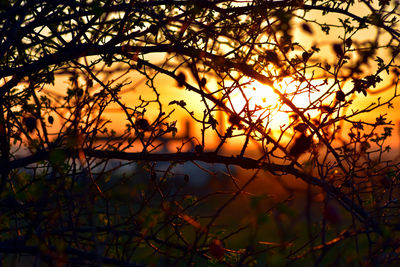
257	93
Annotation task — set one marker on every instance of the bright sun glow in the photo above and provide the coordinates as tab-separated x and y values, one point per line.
253	95
260	97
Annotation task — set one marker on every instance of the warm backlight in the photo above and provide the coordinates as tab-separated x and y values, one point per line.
260	101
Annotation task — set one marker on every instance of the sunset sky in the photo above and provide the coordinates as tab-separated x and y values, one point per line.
256	93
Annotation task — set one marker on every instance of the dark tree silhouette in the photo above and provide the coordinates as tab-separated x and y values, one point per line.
81	185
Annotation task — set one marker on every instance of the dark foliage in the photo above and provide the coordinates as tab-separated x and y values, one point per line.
218	132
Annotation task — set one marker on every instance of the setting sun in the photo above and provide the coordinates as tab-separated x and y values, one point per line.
261	100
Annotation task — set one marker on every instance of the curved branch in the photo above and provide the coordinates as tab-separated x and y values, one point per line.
390	30
243	162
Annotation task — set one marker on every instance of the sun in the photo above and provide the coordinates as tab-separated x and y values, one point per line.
260	101
252	97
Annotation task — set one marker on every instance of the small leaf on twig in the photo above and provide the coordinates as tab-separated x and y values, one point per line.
301	127
338	49
340	96
181	79
142	124
30	123
301	145
306	28
50	119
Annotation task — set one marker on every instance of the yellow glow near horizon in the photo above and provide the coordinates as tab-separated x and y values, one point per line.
252	95
268	104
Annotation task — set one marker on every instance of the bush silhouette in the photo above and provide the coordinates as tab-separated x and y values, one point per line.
147	132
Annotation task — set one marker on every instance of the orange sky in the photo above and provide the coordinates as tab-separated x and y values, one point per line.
261	96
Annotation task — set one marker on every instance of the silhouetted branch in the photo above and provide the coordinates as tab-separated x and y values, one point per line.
243	162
